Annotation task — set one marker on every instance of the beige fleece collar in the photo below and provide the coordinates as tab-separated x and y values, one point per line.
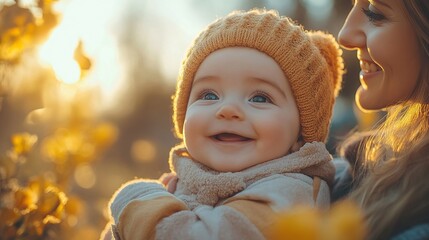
207	186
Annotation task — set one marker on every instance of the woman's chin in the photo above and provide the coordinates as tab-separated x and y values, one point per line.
365	102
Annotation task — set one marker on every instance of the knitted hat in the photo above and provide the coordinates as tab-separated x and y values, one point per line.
311	61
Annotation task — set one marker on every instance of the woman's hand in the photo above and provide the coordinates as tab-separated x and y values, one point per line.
170	181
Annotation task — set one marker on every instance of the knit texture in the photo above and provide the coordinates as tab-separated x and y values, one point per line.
311	61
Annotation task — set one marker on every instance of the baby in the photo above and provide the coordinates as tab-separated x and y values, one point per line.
253	105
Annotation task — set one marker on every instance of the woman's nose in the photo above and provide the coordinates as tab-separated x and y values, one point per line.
230	111
352	35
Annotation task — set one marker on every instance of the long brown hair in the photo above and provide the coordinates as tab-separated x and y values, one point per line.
393	178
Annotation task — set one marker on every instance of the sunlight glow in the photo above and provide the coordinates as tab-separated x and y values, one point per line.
58	52
96	27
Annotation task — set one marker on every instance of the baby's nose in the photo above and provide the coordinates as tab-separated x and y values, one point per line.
230	111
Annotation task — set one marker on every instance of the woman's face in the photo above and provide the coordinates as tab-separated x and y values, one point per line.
388	50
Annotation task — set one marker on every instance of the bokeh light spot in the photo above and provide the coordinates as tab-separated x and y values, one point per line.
143	151
85	176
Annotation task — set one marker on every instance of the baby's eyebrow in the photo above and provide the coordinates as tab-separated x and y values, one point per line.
272	84
204	78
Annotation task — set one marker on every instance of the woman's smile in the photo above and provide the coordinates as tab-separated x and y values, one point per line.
369	70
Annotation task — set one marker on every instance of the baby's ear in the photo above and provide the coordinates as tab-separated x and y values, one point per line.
297	145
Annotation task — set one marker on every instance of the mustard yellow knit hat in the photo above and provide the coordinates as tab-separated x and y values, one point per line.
311	61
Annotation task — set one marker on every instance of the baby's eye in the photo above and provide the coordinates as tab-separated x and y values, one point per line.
260	98
210	96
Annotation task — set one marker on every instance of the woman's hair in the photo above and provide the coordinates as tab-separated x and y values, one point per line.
393	173
417	11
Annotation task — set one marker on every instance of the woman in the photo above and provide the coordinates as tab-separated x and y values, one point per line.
391	164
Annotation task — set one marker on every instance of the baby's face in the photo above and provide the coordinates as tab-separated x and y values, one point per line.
241	111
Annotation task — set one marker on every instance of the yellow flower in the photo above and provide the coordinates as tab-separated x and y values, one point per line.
344	221
54	149
51	201
302	223
35	207
23	143
17	26
67	145
53	205
104	134
79	144
25	200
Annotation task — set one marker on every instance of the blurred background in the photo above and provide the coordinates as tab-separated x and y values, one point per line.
85	100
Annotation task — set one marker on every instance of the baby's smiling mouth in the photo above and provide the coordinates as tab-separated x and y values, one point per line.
230	137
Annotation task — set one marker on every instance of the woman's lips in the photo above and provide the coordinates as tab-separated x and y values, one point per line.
369	70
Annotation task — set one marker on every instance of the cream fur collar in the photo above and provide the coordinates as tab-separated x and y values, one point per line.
200	184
